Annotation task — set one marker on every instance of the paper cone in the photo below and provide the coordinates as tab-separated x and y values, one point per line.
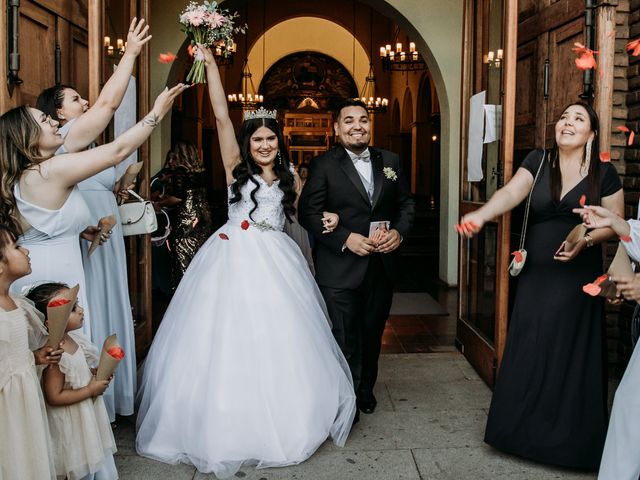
574	237
108	364
130	174
621	265
58	317
104	224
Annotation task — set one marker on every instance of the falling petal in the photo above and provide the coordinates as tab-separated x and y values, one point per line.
605	157
625	238
223	236
622	128
586	61
631	138
601	279
583	200
166	57
634	47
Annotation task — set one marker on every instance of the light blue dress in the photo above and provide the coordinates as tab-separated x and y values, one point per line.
108	289
53	241
621	456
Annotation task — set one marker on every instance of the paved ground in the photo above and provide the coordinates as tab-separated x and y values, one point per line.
429	424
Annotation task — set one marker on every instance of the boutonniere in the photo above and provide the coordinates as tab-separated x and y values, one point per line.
390	173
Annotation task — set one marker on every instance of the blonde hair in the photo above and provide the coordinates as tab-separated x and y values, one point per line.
19	149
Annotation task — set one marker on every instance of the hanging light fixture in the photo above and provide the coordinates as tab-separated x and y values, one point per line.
368	94
248	98
399	59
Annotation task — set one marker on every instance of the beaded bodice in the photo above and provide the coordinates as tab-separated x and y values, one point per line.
269	213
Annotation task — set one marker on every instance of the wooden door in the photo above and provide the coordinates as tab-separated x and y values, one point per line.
482	285
52	44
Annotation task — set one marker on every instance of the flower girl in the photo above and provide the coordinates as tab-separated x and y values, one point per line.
83	442
25	443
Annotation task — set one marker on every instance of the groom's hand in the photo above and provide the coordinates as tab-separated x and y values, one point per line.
359	244
390	242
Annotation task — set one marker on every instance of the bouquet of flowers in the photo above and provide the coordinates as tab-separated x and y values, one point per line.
208	24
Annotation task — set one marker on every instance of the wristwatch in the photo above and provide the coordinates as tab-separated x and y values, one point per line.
589	240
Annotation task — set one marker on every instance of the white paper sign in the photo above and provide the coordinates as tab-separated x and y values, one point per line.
476	128
492	123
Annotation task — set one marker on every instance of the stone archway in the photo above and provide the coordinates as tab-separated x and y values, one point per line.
438	38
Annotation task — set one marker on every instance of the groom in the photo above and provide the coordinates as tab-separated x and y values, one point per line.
364	186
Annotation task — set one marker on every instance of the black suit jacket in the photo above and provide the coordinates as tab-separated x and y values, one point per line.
334	185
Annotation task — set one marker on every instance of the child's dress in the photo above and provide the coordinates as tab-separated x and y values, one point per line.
25	443
83	442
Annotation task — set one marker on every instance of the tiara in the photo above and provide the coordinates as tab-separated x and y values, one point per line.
260	113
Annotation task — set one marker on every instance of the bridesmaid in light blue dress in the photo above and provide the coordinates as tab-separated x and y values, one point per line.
621	455
106	269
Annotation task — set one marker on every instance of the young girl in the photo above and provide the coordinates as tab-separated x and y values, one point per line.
83	442
25	443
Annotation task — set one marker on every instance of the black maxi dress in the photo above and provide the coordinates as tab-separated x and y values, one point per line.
549	401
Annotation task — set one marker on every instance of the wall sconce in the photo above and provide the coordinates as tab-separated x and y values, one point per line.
110	51
13	56
494	59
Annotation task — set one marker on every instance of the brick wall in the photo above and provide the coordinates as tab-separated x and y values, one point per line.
626	111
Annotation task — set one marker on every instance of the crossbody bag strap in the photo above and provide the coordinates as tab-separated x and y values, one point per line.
526	211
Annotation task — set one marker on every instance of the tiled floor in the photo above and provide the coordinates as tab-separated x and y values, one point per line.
423	333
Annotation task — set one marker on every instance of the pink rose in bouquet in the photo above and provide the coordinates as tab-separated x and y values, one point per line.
208	24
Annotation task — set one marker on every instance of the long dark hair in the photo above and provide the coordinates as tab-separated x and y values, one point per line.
50	100
593	175
42	294
247	167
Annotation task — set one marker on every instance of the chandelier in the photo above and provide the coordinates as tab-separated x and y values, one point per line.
367	96
224	55
400	60
248	98
111	51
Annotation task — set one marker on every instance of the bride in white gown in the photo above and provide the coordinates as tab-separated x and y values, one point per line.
244	368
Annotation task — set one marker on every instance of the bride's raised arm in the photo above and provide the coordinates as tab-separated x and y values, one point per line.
226	135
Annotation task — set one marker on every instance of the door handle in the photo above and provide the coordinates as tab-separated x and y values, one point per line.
545	87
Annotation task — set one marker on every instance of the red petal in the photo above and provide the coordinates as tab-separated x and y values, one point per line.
116	352
166	57
635	46
591	289
631	137
517	255
244	225
57	302
190	50
622	128
223	236
583	200
625	238
605	157
601	279
586	61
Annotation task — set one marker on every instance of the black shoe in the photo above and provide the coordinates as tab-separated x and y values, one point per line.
367	404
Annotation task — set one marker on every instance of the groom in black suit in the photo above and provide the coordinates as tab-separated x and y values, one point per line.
355	273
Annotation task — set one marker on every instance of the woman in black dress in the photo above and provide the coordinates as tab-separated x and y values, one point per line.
549	402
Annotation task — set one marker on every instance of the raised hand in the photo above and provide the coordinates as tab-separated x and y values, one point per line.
206	54
164	101
137	36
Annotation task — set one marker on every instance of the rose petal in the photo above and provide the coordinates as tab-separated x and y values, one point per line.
245	224
605	157
625	238
586	61
591	289
622	128
57	302
631	138
166	57
601	279
517	255
223	236
583	200
116	352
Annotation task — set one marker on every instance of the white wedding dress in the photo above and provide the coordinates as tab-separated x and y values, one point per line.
244	368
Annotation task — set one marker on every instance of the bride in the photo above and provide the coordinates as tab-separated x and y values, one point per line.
244	368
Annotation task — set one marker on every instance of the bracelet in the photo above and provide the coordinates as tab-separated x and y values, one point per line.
151	120
589	240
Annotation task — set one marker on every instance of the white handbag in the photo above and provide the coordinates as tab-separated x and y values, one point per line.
137	218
